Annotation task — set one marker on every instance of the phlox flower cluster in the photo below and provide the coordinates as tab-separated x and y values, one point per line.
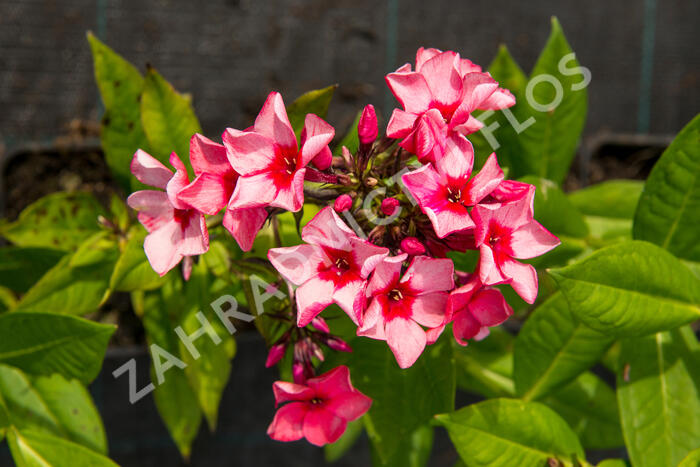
396	284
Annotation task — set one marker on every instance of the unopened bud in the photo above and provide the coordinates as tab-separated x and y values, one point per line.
389	206
347	157
342	203
412	246
338	344
371	181
275	355
320	324
299	373
367	128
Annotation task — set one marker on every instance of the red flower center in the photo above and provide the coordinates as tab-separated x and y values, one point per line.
454	195
395	295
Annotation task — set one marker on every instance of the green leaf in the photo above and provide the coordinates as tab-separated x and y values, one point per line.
132	270
175	400
659	395
414	452
549	144
589	406
691	460
34	449
312	102
21	267
608	228
122	134
59	220
554	211
631	289
334	451
209	374
613	198
553	348
167	117
46	343
402	400
52	405
7	299
79	283
485	367
612	463
507	432
669	208
351	140
510	76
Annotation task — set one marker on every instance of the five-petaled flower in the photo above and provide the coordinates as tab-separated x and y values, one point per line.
318	410
175	230
332	267
271	165
400	305
504	232
445	191
438	98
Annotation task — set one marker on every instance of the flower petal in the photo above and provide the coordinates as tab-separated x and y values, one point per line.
313	296
154	208
464	327
406	340
442	76
297	263
458	160
323	159
531	240
489	271
290	196
331	383
249	153
411	90
484	182
426	275
253	192
161	247
350	297
194	237
285	391
429	310
272	122
322	426
244	225
206	156
490	308
524	278
179	181
401	124
208	193
327	229
315	137
385	275
289	422
372	324
148	170
349	405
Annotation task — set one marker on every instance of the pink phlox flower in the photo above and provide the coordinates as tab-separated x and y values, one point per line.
271	165
318	410
438	98
332	267
445	191
401	304
474	308
175	229
212	188
505	232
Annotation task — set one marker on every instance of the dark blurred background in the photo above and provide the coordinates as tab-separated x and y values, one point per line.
229	54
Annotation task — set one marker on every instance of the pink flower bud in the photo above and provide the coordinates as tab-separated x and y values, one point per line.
389	206
412	246
320	324
275	355
342	203
347	157
367	127
338	344
299	373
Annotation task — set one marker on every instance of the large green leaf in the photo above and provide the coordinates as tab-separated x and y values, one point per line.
691	460
589	406
47	343
60	220
175	400
659	395
334	451
507	432
402	400
554	211
122	134
631	289
31	448
312	102
79	283
506	71
52	405
612	198
133	271
21	267
553	348
549	144
669	208
167	117
485	367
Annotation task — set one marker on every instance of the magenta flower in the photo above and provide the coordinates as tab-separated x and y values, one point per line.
400	305
505	232
342	203
318	410
474	308
445	191
271	165
213	187
367	129
438	98
175	230
331	268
